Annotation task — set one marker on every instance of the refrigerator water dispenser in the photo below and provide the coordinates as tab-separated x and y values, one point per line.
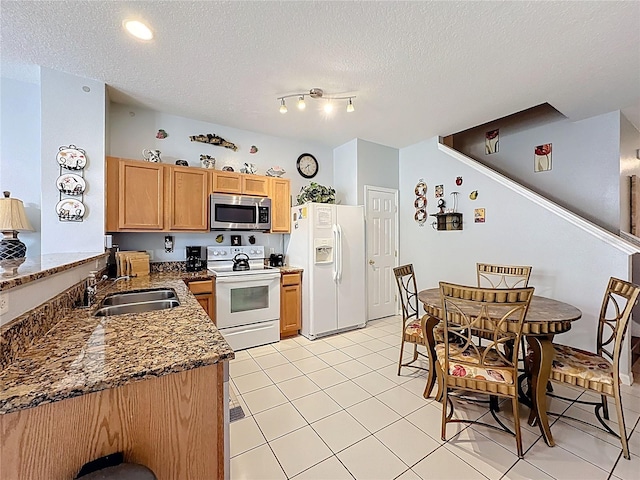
323	250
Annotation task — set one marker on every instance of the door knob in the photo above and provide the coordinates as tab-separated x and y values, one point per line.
372	262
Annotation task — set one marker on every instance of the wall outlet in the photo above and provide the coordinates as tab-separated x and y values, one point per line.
4	303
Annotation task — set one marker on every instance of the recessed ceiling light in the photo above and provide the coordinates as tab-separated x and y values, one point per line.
138	29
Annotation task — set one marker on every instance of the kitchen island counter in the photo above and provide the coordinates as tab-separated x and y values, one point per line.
83	354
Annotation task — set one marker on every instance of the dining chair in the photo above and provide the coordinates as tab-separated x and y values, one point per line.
464	364
413	327
599	372
502	276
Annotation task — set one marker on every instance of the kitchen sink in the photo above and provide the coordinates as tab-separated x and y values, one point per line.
136	307
139	296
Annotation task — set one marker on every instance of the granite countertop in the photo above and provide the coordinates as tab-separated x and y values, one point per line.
19	272
82	354
290	269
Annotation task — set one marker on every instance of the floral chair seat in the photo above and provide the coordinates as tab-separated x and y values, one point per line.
466	363
414	329
586	366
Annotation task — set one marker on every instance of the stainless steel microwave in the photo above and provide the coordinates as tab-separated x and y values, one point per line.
238	212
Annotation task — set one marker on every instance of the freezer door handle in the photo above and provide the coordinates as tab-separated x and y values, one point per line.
336	250
339	253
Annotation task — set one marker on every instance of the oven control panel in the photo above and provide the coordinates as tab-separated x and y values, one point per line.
228	253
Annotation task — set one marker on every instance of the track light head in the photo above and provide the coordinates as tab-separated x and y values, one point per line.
350	107
301	104
283	107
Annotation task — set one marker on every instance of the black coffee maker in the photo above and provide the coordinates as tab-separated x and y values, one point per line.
194	258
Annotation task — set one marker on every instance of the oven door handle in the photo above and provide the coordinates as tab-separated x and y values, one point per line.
248	278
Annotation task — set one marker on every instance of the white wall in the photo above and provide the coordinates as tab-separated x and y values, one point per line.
133	129
629	165
69	115
345	173
585	161
358	163
377	166
20	151
569	264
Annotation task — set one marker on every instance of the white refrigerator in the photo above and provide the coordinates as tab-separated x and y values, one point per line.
327	241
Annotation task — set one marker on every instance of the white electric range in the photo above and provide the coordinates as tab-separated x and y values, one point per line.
247	301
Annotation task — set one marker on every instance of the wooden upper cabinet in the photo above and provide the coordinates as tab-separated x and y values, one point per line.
140	195
255	185
280	205
188	192
227	182
240	183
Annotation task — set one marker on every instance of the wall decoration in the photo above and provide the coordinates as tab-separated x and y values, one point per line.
71	184
213	139
473	195
227	168
492	141
182	163
252	239
219	238
275	171
236	240
458	181
542	158
439	191
208	161
441	204
152	156
161	134
249	168
420	203
478	215
253	149
71	157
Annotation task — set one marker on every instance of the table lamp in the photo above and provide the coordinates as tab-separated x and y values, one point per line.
12	219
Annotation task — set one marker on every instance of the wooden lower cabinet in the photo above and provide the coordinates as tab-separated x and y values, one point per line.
204	292
290	304
172	424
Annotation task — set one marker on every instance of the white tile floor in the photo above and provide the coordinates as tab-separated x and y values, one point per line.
334	408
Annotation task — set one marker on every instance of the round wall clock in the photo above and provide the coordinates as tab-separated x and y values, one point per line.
307	165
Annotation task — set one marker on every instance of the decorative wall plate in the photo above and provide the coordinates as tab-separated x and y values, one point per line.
421	189
421	202
420	216
71	184
71	157
70	209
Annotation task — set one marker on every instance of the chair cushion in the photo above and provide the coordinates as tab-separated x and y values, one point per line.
578	363
499	372
414	329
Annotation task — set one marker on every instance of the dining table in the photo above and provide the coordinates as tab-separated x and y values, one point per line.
545	318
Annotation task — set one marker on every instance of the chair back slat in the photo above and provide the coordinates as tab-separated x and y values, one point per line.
503	276
407	290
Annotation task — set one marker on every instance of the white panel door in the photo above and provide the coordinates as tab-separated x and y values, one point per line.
351	293
382	250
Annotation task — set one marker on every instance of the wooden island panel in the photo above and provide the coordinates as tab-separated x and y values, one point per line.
172	424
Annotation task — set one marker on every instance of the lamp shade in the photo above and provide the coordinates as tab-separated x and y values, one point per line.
12	220
12	215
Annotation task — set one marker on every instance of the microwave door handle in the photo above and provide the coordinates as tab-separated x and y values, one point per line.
257	214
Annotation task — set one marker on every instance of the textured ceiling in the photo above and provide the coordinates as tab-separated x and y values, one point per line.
418	69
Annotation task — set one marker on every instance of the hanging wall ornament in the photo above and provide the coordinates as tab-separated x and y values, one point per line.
458	181
420	203
253	149
473	195
213	139
161	134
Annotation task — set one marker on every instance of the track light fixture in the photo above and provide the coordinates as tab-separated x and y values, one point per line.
316	93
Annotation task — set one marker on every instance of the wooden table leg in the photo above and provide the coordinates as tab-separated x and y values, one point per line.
542	358
431	347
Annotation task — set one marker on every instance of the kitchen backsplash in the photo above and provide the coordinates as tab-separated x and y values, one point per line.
154	242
